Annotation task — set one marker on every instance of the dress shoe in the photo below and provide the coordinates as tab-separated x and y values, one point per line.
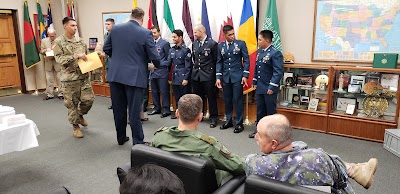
165	115
213	123
173	116
238	129
147	143
48	98
83	121
226	126
77	133
110	107
154	112
251	135
122	142
144	119
60	97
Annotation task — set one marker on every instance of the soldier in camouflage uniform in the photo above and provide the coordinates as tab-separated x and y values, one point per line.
293	162
185	139
78	92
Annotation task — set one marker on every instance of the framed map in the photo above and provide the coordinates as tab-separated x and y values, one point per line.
353	30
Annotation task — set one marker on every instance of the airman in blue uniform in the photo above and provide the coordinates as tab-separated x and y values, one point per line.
267	75
181	57
159	77
232	70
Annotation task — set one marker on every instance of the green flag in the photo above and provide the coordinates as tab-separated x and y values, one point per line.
31	53
168	23
271	22
42	29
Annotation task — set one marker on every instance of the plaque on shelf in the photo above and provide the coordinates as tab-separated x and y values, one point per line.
375	106
357	79
350	109
343	102
295	98
313	105
287	75
390	81
354	88
304	81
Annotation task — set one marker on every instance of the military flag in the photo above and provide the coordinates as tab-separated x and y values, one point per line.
271	22
204	18
153	21
42	28
187	23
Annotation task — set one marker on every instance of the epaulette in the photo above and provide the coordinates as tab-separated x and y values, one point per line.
161	129
208	139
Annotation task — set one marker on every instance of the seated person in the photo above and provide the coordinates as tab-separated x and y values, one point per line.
185	139
151	179
294	162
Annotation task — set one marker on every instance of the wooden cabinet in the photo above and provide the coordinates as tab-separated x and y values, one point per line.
358	102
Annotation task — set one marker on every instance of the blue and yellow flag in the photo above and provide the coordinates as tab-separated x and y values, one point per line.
42	29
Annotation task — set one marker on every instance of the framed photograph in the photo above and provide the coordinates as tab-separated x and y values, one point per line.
350	109
305	99
343	102
313	105
92	43
390	81
119	18
354	88
305	80
357	79
287	75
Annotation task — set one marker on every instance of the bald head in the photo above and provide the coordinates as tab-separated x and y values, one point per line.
199	32
276	127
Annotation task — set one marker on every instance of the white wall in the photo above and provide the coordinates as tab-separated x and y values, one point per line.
35	76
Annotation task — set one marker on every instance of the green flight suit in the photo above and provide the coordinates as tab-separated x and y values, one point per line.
195	143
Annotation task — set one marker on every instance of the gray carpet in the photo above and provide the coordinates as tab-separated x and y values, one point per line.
89	165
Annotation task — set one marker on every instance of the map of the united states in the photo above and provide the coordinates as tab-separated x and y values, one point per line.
355	29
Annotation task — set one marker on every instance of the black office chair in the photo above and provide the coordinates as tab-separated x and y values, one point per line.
256	184
197	174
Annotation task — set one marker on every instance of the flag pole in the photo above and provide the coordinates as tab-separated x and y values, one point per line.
247	121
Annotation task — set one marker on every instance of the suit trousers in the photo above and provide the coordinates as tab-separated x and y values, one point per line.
207	88
50	83
179	91
233	91
160	85
266	105
125	97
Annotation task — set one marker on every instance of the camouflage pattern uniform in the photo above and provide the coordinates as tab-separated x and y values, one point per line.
301	166
195	143
78	92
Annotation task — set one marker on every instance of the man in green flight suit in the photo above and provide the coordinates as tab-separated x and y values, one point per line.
185	139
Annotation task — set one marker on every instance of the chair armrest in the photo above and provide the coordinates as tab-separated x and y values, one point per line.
122	171
231	185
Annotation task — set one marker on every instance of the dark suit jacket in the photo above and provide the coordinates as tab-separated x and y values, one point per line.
163	47
131	48
205	59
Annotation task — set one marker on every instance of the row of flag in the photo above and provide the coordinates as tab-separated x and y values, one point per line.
246	30
31	56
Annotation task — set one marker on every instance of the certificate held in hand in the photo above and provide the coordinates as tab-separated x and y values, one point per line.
93	62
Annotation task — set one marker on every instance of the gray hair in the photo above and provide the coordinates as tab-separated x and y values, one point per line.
200	28
278	127
51	31
189	108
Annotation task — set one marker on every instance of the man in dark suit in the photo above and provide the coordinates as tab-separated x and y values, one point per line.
267	76
203	73
233	74
159	77
131	47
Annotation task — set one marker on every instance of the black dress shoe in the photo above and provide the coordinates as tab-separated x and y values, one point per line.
213	124
144	119
110	107
48	98
122	142
226	126
251	135
154	112
60	97
165	115
238	129
173	116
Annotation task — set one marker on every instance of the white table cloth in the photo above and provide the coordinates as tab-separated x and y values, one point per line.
18	137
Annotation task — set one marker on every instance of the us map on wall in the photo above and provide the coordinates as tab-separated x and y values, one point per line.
353	30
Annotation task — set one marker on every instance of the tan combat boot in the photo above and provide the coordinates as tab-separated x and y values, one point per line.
77	131
83	121
363	173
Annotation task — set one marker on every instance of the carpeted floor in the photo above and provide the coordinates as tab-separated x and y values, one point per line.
88	165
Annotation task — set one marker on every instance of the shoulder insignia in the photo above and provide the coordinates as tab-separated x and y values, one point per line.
208	139
161	129
225	152
189	55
